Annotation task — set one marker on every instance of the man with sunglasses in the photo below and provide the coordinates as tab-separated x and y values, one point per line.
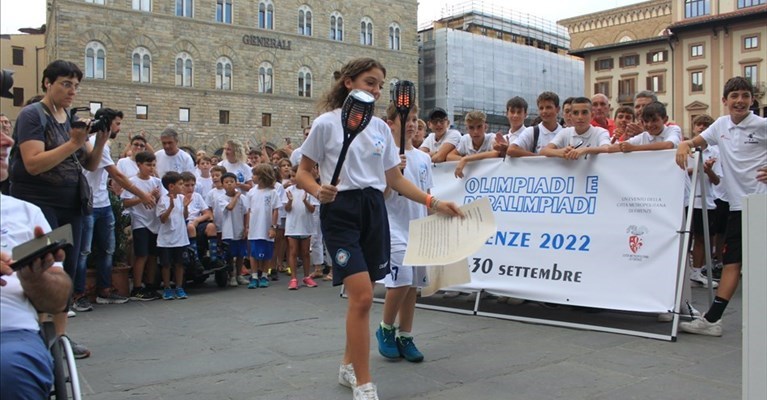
442	140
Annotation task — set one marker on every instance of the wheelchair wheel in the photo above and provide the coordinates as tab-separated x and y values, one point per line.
66	382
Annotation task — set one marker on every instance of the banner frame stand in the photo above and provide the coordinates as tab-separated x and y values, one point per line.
684	248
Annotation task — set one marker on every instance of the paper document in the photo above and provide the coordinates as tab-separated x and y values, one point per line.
441	240
446	276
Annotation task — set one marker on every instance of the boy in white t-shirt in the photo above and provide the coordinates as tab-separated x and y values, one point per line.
232	207
199	222
534	138
657	135
204	181
262	203
476	145
403	281
580	139
742	140
442	140
144	225
299	228
516	112
171	237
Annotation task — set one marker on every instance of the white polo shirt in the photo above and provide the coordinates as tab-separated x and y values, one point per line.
370	155
593	137
466	147
742	151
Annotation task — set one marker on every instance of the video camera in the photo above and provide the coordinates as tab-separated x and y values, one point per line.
102	120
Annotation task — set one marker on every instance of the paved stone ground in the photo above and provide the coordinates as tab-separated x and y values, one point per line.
235	343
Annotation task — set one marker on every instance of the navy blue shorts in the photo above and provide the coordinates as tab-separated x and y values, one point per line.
733	239
356	231
237	248
144	242
201	228
171	256
262	250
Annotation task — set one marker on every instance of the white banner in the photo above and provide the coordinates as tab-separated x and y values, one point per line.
597	232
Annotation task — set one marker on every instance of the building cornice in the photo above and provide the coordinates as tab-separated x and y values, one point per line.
618	16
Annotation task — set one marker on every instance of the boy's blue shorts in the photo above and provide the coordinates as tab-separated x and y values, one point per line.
261	250
237	248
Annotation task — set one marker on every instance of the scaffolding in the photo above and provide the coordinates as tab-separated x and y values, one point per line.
474	59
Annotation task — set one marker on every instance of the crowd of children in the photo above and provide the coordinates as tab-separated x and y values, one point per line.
249	208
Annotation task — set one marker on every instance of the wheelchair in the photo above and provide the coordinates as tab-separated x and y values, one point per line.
66	382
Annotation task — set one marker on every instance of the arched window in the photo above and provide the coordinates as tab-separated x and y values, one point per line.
95	60
394	32
184	70
305	21
142	65
266	14
304	82
366	31
265	78
336	26
224	73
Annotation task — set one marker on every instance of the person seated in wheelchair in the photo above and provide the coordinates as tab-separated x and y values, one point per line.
26	366
203	241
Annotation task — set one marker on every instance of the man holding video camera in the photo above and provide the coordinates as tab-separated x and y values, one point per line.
99	227
25	363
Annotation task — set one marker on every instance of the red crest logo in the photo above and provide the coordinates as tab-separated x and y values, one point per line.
635	243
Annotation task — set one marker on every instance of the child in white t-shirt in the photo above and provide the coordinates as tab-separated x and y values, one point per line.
476	145
204	181
742	139
144	226
657	135
171	237
262	204
199	220
403	281
442	140
231	206
580	139
354	209
282	171
299	228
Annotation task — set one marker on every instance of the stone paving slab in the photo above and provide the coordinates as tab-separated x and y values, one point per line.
235	343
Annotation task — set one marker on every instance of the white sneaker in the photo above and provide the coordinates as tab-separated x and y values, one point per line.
71	313
668	317
242	280
701	326
697	277
233	282
346	376
367	391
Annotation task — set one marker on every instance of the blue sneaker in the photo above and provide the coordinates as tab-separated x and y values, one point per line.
180	293
387	344
167	294
263	281
253	283
408	350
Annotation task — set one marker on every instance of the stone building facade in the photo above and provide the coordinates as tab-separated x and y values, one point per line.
24	54
683	50
218	69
